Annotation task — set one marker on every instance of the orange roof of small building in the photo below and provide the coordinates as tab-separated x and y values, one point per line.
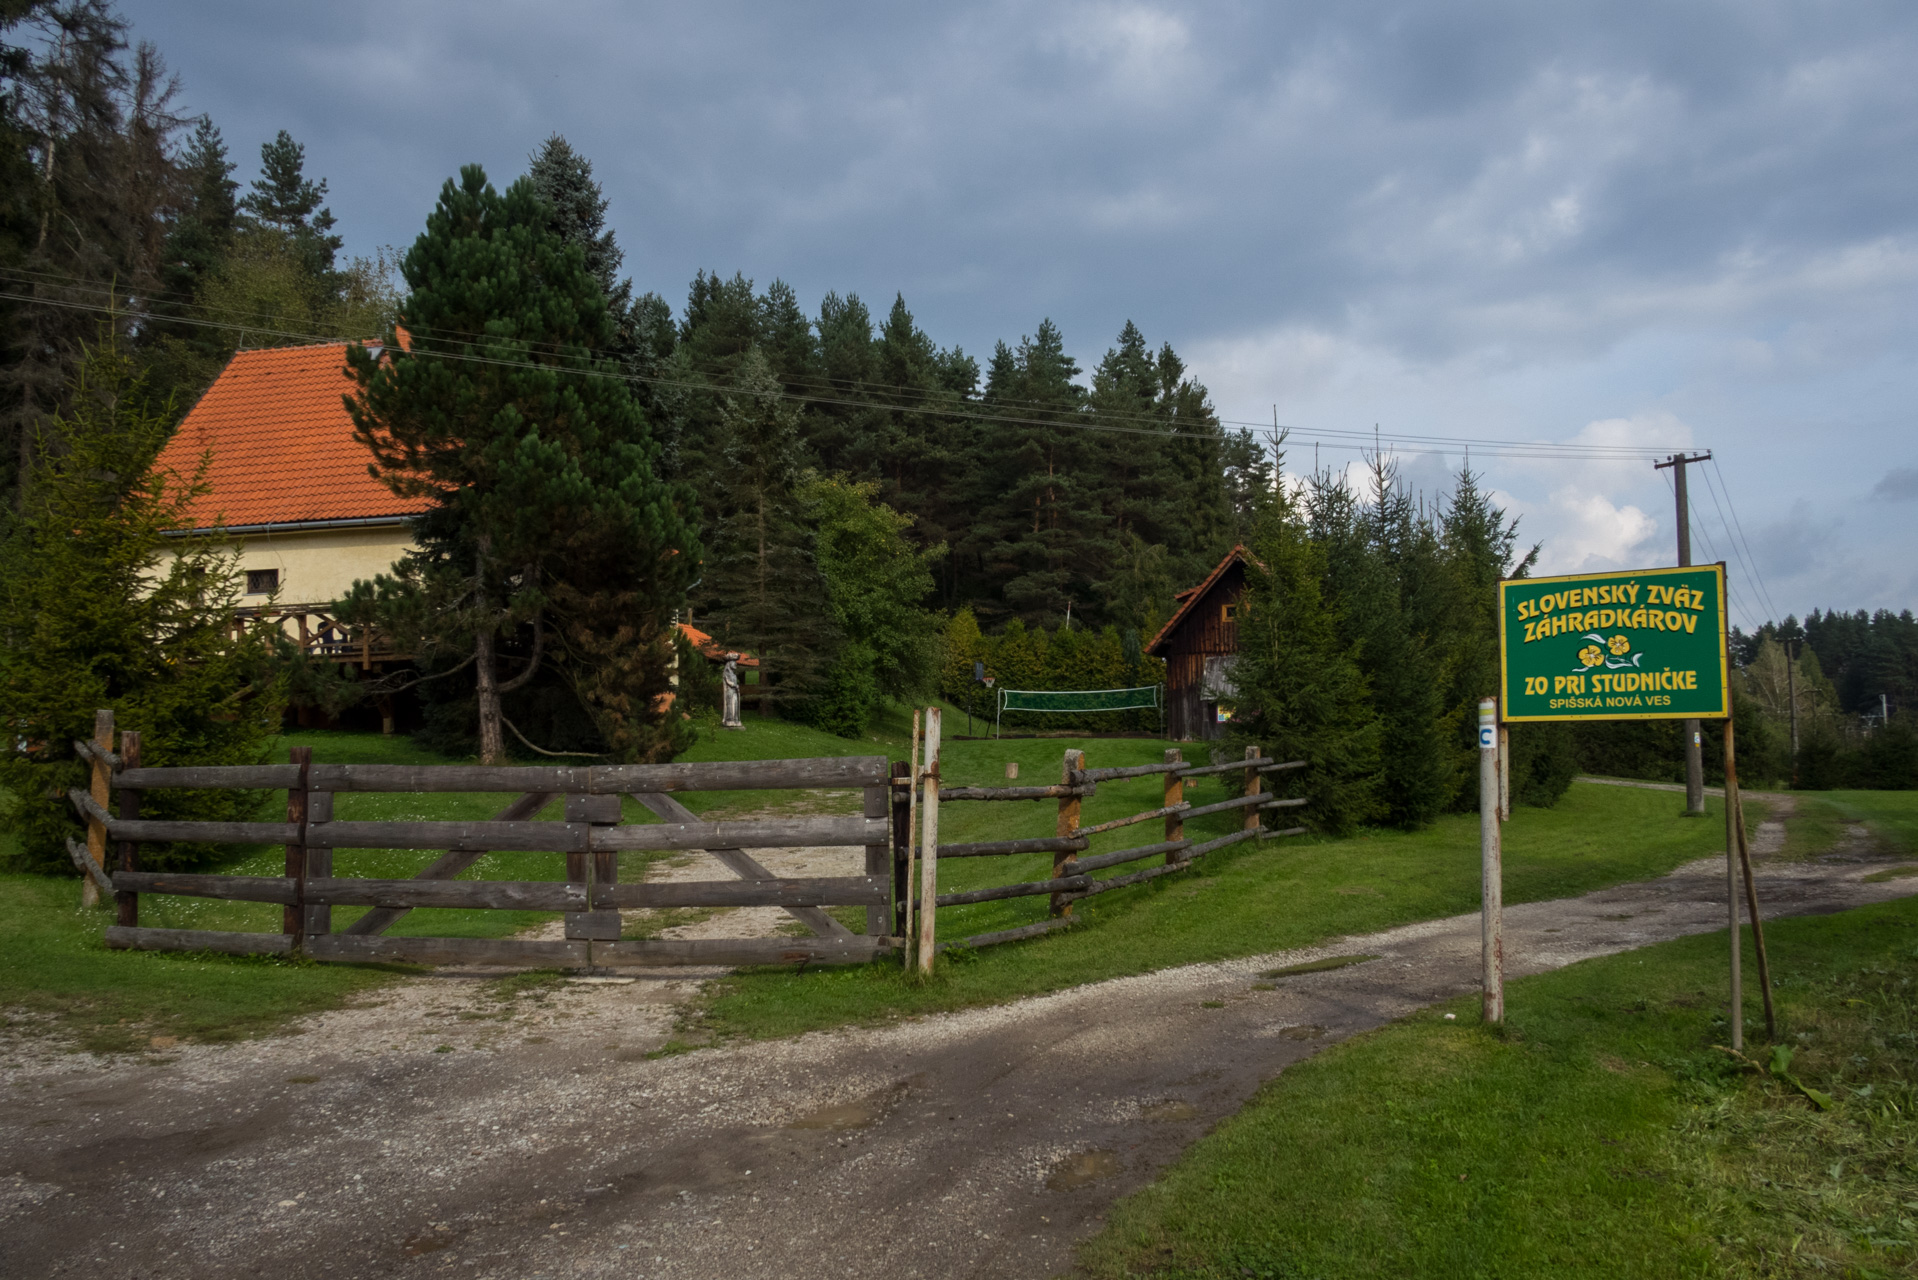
1191	596
282	444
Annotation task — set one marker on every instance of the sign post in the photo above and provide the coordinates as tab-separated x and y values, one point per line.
1650	644
1491	865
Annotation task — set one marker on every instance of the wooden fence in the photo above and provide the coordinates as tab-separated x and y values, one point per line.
591	837
1074	875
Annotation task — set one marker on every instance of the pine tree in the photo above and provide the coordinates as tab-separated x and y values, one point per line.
182	357
548	515
104	604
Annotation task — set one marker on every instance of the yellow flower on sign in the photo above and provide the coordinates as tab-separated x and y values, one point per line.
1620	646
1591	655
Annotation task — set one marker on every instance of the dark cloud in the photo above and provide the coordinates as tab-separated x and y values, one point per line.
1899	485
1494	216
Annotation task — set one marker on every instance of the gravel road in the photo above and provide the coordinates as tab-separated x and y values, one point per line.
428	1134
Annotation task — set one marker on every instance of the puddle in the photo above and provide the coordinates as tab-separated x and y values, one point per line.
428	1242
846	1115
1316	966
1170	1111
1083	1169
1303	1031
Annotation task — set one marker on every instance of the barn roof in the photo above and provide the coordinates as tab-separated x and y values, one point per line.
1191	596
283	450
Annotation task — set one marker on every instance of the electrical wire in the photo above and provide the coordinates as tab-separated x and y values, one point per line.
1328	437
1725	484
1744	556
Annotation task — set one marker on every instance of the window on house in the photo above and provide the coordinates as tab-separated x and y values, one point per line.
1229	612
262	582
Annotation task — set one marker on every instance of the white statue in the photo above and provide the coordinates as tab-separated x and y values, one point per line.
729	694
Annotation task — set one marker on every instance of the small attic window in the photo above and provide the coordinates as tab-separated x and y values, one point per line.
1228	613
262	582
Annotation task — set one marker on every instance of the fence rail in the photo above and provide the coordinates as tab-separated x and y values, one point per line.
1073	877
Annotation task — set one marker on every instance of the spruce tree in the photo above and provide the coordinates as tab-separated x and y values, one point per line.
762	591
547	513
564	180
1301	692
104	603
284	201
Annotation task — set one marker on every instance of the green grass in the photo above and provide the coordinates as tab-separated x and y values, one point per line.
1244	900
1600	1136
1892	816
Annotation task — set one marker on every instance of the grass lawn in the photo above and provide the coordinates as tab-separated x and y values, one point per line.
1243	900
1891	815
1600	1135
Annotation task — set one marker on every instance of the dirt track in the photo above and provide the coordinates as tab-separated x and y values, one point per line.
546	1145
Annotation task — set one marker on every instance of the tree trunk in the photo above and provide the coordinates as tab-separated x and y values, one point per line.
492	743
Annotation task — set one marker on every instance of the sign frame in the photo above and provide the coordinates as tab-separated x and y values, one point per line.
1722	711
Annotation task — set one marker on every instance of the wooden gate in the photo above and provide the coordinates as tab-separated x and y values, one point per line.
591	837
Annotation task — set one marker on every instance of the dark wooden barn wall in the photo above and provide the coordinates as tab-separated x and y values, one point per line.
1204	631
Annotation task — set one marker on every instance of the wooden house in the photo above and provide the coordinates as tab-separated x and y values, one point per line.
1199	644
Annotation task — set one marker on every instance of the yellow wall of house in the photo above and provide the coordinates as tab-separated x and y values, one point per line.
318	565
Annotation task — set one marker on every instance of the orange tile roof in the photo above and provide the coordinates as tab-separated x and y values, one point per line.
282	443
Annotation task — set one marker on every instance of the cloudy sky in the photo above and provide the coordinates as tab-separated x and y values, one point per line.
1670	224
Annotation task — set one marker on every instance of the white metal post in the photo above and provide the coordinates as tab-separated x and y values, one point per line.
1491	869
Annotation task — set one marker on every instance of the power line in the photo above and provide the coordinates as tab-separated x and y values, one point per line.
1356	441
1725	484
1743	556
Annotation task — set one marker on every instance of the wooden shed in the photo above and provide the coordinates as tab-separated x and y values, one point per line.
1200	643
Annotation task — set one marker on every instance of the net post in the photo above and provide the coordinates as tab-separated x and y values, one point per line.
1174	797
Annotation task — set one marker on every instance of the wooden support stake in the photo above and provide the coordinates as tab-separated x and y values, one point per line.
101	786
1075	761
929	847
1491	868
901	845
912	833
1252	784
127	905
1174	797
293	915
1758	927
879	857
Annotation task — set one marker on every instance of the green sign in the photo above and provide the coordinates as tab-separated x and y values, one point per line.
1648	645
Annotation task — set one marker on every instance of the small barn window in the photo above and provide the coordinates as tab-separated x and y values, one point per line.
262	582
1228	613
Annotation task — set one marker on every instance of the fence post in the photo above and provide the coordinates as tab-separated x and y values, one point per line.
319	863
293	918
1174	795
100	784
929	846
901	843
878	856
1252	783
128	904
601	866
1075	761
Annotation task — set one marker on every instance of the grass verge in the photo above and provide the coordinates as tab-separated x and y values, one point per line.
1600	1135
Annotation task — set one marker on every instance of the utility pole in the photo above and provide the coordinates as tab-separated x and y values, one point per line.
1694	757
